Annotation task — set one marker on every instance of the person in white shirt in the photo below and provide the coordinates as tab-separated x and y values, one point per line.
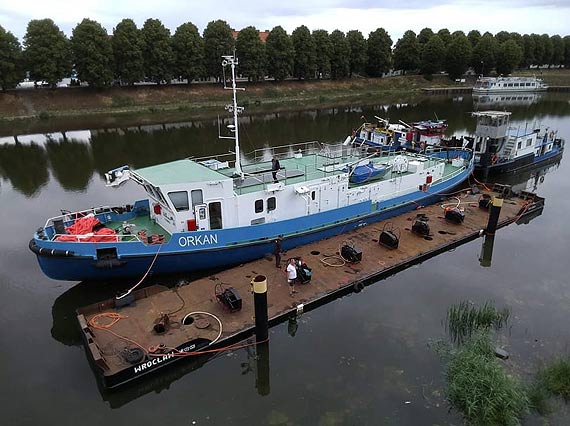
291	276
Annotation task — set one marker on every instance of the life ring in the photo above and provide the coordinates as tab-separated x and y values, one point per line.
494	159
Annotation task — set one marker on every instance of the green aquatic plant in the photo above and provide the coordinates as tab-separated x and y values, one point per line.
466	318
555	377
480	388
538	398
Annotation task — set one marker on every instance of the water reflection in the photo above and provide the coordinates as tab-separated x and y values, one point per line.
25	167
73	157
529	180
487	251
494	101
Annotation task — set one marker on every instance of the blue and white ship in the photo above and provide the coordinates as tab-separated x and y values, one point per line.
217	212
500	147
419	136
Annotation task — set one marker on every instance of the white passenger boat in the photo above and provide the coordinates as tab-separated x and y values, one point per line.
508	84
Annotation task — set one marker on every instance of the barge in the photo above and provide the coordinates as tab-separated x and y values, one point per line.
154	327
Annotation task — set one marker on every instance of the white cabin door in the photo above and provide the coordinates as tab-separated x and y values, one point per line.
314	199
202	219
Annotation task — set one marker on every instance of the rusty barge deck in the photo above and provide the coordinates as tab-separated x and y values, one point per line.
160	325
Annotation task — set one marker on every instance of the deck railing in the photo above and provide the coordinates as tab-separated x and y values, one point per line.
69	216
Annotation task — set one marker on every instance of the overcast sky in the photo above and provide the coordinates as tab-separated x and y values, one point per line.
523	16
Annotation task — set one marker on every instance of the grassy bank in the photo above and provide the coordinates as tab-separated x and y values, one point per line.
45	110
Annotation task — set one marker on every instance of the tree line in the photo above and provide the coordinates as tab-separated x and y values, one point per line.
152	53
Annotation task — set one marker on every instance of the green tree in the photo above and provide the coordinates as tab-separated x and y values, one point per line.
566	51
557	50
92	53
127	52
518	39
47	52
251	54
11	71
379	52
457	55
340	55
323	48
424	36
433	56
445	36
407	52
484	56
474	37
157	51
548	49
218	41
305	58
539	49
502	36
528	51
358	54
188	52
280	53
509	57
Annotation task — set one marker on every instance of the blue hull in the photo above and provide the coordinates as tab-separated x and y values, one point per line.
527	162
229	247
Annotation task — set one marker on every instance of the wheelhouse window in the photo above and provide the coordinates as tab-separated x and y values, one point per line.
179	200
197	197
271	204
258	206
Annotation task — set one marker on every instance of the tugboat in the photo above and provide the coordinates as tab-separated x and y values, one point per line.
216	212
500	148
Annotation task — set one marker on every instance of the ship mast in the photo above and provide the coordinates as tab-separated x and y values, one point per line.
232	61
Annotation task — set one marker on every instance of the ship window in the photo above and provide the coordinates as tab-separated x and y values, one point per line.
528	142
179	200
519	145
160	196
313	195
197	197
215	210
528	84
258	206
271	203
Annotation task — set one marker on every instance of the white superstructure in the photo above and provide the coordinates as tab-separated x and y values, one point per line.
508	84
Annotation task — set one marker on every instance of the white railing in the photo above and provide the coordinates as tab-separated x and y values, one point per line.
69	216
118	238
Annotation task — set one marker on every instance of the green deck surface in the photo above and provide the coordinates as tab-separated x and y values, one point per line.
181	171
140	222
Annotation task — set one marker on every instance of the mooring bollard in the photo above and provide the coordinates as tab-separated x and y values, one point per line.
259	283
494	215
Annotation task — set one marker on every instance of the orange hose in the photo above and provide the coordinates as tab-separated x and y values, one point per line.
116	317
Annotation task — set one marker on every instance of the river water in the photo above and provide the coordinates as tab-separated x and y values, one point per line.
364	359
